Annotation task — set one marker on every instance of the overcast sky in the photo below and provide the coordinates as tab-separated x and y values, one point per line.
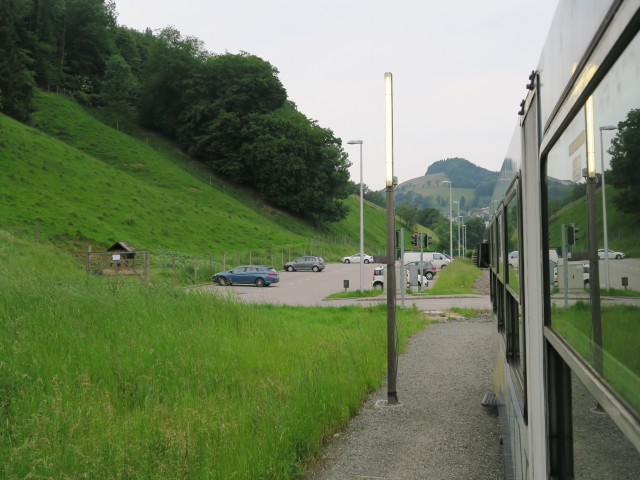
459	67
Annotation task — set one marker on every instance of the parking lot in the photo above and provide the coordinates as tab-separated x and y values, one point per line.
305	288
311	289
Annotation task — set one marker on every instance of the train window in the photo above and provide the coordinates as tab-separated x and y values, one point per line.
605	273
500	246
600	449
512	241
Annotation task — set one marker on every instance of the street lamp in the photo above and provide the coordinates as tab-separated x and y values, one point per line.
392	364
359	142
604	208
464	238
458	222
450	219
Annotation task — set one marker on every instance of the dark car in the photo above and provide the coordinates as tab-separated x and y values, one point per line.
312	263
258	275
426	269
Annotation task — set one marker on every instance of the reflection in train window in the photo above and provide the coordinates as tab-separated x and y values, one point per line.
512	231
600	449
613	126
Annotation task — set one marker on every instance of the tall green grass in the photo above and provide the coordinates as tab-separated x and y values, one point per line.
105	379
620	334
457	278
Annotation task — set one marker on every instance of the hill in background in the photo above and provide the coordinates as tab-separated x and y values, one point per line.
471	185
76	182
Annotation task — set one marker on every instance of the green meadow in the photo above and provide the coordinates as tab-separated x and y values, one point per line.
104	379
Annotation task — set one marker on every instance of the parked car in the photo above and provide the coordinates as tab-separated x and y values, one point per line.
258	275
513	259
355	258
378	279
312	263
426	269
610	254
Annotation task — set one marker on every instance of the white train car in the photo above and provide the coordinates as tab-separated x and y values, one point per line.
568	378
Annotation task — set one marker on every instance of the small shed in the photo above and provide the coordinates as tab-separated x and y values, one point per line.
122	251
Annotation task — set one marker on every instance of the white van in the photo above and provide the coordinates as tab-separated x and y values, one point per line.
438	259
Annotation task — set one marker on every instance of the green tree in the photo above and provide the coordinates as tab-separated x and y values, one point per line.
119	90
226	91
168	77
476	231
408	212
296	164
625	174
429	217
16	82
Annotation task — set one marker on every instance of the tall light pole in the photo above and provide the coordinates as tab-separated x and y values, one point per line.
464	238
604	209
458	222
450	219
359	142
392	366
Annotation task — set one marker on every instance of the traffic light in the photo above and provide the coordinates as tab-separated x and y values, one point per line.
426	240
414	239
572	235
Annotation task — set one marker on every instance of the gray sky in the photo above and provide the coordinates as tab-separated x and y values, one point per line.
459	67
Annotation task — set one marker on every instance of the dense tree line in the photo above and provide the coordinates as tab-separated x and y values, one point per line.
230	111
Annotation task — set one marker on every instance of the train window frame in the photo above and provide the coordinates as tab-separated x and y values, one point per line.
568	359
514	322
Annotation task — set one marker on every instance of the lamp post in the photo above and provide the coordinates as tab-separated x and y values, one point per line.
359	142
392	365
604	209
450	219
458	222
464	238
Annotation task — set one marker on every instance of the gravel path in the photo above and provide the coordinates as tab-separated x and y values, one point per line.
439	430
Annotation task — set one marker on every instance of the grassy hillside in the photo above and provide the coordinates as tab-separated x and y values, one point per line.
431	188
623	228
78	182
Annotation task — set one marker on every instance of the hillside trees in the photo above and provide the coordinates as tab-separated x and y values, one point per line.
297	164
16	82
229	111
624	174
168	77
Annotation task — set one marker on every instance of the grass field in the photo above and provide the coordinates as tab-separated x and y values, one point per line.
620	352
103	378
76	182
458	277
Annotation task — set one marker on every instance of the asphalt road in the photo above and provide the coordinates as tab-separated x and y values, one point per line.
628	267
305	288
311	289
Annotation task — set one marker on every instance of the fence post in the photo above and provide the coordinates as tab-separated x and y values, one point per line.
147	273
173	265
88	261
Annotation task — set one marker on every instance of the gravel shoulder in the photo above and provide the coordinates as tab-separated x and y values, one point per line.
440	429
